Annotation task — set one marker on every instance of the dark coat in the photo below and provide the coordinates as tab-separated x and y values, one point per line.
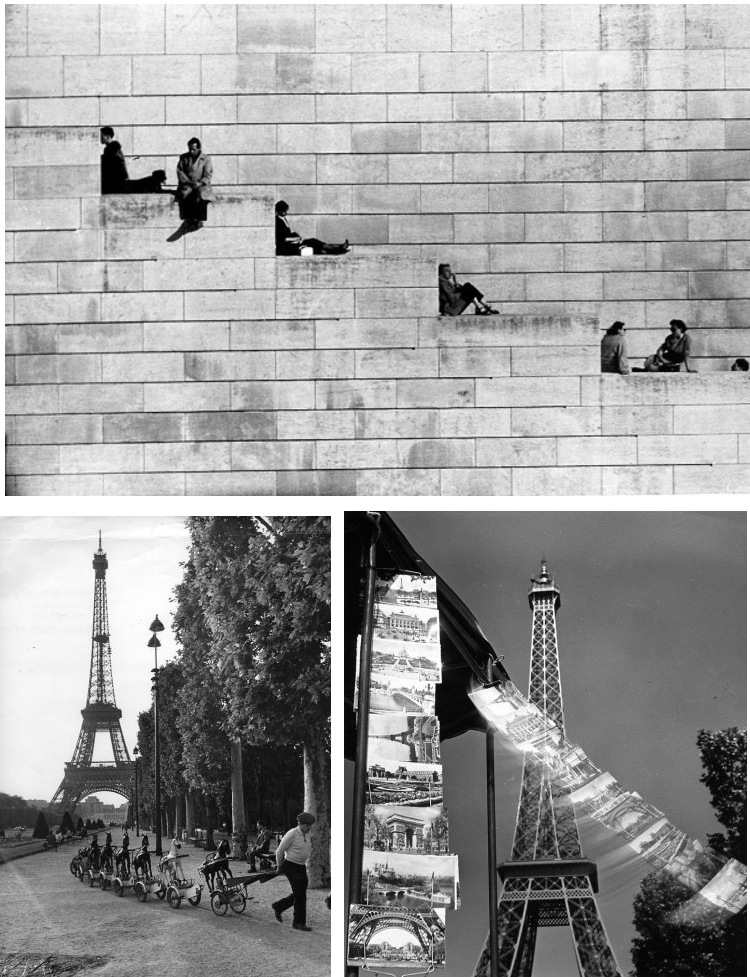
283	233
451	300
114	170
675	348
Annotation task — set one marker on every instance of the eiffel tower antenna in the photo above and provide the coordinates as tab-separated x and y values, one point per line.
547	881
82	776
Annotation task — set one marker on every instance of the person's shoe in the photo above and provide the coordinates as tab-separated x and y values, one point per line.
479	311
301	926
276	913
490	311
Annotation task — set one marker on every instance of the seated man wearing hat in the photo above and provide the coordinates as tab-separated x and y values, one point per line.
291	858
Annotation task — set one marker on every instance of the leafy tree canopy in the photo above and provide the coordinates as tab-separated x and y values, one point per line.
724	758
264	593
710	946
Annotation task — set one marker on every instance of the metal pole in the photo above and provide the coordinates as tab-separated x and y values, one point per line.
136	797
154	643
363	715
157	768
492	840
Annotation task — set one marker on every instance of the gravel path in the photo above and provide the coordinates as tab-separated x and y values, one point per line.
44	909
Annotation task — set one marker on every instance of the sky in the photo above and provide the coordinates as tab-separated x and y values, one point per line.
652	641
46	612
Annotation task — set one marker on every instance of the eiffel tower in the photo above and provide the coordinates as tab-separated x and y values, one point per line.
547	882
82	776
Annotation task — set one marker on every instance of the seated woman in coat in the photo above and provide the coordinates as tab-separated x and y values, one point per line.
454	298
673	351
194	192
289	242
614	353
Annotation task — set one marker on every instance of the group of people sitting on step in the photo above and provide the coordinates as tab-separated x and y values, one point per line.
194	173
672	356
194	193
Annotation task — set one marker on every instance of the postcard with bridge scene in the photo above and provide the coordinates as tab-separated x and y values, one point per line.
412	881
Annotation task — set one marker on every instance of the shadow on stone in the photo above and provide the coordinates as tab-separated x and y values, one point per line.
185	228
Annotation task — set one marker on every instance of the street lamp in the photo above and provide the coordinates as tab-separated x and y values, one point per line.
136	751
154	643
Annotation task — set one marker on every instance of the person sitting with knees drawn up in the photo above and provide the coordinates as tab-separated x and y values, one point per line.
674	351
289	242
455	298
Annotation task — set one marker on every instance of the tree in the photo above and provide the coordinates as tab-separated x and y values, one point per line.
79	824
42	828
67	823
724	758
710	946
201	719
264	593
376	831
171	743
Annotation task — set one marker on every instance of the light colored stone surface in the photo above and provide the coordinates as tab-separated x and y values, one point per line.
166	75
55	146
275	27
36	77
337	28
16	29
201	28
561	26
606	70
98	75
571	161
132	28
77	32
642	26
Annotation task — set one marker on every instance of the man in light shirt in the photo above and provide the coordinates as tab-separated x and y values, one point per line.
291	858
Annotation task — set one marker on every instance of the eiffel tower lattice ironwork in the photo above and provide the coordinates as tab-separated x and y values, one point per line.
83	776
547	882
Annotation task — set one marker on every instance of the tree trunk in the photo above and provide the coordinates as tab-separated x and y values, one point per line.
317	765
178	818
239	825
259	812
190	814
210	846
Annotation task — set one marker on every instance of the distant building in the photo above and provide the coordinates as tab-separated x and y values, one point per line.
399	624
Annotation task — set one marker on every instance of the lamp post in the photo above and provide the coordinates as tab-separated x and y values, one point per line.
136	751
154	643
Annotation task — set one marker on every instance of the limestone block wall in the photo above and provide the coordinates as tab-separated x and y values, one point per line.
578	163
